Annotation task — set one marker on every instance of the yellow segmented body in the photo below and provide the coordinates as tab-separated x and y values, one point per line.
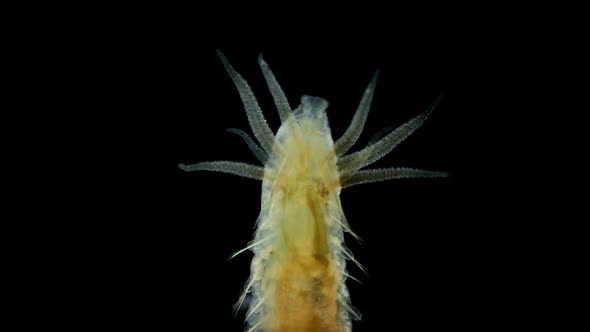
298	269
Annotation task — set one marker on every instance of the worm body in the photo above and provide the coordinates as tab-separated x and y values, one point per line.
298	273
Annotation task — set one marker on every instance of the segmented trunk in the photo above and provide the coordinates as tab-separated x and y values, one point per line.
298	272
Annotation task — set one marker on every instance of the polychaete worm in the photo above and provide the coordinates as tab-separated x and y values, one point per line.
298	272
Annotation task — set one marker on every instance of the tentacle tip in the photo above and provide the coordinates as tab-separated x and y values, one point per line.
433	106
438	175
222	57
438	99
376	75
183	167
261	59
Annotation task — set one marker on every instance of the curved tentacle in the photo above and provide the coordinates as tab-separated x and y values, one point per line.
256	119
231	167
347	140
275	89
382	174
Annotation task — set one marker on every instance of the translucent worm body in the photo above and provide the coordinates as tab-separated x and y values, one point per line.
298	272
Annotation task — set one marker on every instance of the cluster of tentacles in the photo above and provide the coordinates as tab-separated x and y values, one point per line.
349	166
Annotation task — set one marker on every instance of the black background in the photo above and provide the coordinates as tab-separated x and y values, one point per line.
101	230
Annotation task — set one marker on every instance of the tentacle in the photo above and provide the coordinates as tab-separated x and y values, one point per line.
258	152
344	143
382	174
370	154
380	134
256	119
231	167
275	89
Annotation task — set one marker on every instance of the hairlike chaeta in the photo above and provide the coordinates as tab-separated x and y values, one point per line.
298	273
